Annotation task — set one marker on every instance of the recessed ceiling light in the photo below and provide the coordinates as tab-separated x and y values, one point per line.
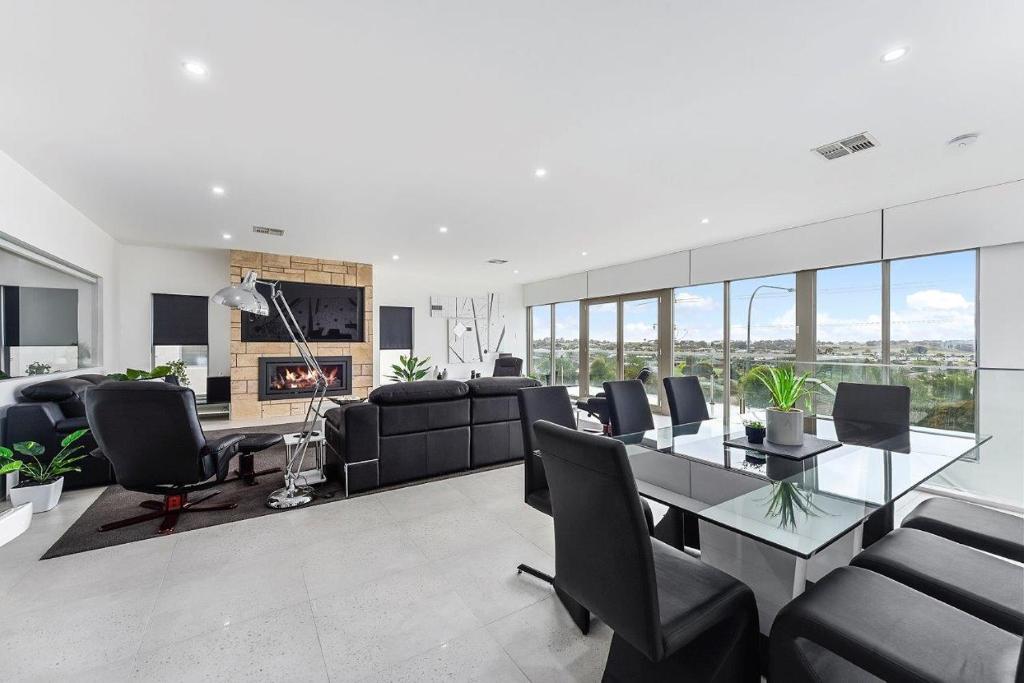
394	257
442	229
226	236
583	253
515	272
195	69
705	221
217	190
540	172
895	54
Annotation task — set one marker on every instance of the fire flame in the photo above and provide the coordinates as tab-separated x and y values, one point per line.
296	377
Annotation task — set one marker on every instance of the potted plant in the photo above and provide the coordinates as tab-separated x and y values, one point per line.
41	484
409	369
133	375
784	420
755	431
177	368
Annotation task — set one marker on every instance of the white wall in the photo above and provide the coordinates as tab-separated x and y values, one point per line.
36	216
144	271
394	287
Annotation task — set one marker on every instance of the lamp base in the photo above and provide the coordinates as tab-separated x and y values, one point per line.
283	499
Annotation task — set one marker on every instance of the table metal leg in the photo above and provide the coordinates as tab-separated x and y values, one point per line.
799	576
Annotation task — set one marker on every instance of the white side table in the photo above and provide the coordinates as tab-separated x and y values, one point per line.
317	444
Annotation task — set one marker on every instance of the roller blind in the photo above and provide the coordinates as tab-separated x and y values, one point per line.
180	320
396	327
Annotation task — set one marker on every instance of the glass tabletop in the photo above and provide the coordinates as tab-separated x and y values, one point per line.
800	506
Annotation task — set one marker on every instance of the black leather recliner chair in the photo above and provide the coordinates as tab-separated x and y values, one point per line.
597	406
50	410
150	433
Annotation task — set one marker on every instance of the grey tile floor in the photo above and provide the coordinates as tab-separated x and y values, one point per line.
415	584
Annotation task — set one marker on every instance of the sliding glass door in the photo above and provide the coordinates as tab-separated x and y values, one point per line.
602	344
640	347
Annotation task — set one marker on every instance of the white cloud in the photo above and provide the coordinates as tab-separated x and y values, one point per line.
639	332
937	300
694	301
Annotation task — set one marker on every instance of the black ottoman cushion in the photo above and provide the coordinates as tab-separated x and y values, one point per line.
253	443
995	532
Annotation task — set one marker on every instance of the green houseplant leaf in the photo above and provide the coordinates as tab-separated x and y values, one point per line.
7	461
62	463
784	386
31	448
409	369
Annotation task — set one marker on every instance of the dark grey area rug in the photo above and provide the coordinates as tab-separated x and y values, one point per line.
116	503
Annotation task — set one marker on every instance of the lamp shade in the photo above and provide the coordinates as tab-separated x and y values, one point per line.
244	296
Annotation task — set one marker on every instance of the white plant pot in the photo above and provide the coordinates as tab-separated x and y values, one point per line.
43	498
785	427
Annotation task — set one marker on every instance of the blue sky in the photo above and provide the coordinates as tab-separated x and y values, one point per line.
932	297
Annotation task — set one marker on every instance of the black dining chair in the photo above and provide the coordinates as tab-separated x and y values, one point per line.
879	404
686	404
673	616
507	366
628	408
597	406
685	400
553	405
150	433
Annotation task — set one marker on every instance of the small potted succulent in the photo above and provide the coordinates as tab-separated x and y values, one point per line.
755	430
41	484
785	422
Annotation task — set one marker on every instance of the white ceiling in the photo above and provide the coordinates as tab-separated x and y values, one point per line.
362	127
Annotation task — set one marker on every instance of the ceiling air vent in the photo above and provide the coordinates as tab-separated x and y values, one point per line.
497	261
847	146
262	230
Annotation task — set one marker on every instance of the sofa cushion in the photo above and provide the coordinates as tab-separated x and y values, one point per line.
53	390
422	417
71	424
499	386
486	409
495	442
424	391
995	532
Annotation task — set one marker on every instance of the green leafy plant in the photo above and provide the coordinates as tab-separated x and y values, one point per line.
409	369
786	498
784	387
35	471
133	375
753	424
177	368
38	368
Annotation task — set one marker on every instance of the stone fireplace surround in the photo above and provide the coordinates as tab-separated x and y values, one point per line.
245	403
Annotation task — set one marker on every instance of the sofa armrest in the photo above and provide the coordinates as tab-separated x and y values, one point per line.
34	422
353	432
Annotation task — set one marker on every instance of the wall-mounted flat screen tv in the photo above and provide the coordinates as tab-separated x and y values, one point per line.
326	313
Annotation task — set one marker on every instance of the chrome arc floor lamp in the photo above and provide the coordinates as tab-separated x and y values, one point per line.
245	297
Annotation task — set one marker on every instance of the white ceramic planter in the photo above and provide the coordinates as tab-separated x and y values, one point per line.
43	498
14	522
785	427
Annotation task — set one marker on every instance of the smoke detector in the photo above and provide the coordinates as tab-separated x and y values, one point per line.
263	230
963	141
497	261
847	146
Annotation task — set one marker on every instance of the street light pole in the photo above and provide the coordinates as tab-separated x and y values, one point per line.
750	307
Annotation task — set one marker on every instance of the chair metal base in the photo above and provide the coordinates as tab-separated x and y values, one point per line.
170	510
577	612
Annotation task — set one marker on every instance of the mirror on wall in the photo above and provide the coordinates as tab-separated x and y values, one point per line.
47	319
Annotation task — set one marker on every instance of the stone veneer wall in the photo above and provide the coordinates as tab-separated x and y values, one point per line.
245	355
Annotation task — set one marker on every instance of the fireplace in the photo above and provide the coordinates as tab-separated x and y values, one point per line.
281	378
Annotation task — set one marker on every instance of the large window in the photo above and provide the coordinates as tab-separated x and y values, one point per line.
849	314
540	344
698	314
181	333
603	344
640	342
932	311
567	346
762	329
47	317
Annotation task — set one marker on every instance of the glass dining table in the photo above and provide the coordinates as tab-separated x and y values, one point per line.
774	522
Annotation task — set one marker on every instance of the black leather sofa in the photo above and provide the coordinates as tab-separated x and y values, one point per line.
414	430
47	412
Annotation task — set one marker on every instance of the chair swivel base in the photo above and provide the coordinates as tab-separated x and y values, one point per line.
169	510
577	612
290	497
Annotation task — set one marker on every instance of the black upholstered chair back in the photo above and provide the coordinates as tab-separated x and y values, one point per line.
541	403
885	404
150	433
603	555
685	400
509	366
628	409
